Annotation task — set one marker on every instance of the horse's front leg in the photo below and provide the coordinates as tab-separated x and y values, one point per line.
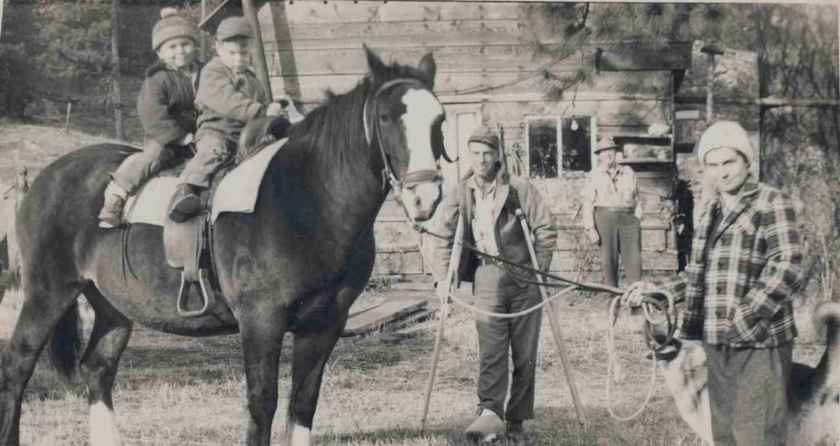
262	324
312	348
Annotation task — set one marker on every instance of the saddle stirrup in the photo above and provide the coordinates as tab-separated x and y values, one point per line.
206	292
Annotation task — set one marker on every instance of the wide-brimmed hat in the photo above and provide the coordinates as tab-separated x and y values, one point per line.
172	25
723	134
234	27
606	144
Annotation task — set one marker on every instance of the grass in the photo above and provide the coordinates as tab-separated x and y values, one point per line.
175	390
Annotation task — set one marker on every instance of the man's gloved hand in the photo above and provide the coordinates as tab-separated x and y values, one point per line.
634	294
274	109
186	140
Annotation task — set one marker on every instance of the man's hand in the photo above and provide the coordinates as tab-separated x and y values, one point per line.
593	235
186	140
274	109
636	292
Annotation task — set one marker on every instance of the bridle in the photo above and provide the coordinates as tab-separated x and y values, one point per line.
373	133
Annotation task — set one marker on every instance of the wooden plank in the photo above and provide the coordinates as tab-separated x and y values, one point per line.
453	83
398	263
469	30
378	11
468	57
377	317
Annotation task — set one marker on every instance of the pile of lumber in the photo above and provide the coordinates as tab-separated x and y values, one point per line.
388	316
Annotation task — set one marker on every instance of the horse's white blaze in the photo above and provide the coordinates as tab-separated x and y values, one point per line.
422	109
300	436
103	426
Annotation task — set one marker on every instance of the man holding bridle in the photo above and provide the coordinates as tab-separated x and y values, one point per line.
487	201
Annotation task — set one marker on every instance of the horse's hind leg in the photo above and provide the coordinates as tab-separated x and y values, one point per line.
44	306
111	331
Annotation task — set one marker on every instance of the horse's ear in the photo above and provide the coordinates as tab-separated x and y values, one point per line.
377	67
428	67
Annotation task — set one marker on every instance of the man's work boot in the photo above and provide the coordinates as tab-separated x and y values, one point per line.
112	208
486	428
185	204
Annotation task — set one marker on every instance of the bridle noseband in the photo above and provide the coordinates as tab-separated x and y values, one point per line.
374	134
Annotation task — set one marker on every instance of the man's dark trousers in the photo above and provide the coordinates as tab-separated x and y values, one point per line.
620	231
495	290
748	394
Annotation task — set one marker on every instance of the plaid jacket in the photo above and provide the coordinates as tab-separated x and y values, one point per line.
739	284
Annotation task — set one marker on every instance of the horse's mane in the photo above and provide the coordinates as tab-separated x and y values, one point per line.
333	131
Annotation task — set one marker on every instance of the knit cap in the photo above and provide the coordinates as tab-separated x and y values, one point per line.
170	26
725	134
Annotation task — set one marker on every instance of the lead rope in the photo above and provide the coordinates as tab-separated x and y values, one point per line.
614	367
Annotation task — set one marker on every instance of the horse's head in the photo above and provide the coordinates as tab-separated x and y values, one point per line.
404	117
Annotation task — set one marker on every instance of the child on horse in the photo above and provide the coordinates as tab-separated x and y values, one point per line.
228	96
166	108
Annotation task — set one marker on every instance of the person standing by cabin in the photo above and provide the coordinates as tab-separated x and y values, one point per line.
745	267
229	95
612	213
166	109
488	200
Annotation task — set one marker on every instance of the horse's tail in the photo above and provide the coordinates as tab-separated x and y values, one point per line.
828	314
66	342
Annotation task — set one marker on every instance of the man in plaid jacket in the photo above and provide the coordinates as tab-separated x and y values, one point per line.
738	287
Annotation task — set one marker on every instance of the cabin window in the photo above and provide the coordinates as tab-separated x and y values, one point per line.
558	145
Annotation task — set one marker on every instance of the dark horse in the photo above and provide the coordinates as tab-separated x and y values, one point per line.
295	264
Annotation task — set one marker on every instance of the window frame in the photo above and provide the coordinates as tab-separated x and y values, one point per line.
559	121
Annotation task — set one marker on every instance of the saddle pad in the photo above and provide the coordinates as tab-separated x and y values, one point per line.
238	191
149	204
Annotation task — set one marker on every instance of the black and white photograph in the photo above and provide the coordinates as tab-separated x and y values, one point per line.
419	223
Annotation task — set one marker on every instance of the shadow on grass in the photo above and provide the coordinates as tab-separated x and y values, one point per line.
552	426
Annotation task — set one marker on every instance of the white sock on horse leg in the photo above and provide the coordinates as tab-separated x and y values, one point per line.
300	436
103	426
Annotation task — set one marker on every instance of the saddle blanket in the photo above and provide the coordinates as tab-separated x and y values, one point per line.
237	191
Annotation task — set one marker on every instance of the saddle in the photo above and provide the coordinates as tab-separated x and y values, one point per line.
234	188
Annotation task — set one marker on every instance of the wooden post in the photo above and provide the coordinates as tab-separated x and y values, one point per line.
552	322
451	275
2	9
262	67
115	69
202	36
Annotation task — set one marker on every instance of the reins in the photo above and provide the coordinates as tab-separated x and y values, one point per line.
614	367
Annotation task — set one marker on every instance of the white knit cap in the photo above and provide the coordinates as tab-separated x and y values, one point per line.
725	134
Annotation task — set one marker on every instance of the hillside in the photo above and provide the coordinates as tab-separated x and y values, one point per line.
34	146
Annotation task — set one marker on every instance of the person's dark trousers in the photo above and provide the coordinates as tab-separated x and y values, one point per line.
496	291
620	232
748	394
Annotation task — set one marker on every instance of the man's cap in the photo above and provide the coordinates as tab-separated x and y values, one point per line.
606	144
172	25
727	134
485	135
234	27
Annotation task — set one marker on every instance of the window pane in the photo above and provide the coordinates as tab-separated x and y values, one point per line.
542	150
577	153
